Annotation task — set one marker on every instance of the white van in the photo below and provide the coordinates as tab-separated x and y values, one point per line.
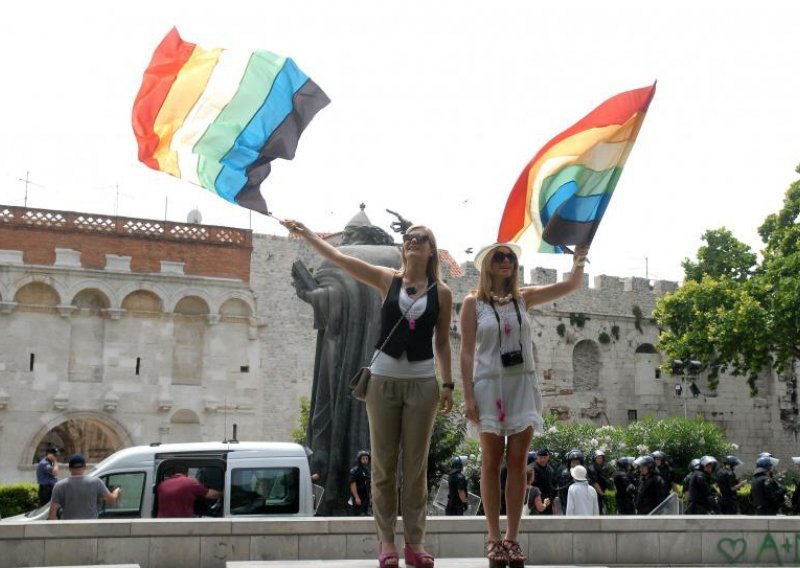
258	479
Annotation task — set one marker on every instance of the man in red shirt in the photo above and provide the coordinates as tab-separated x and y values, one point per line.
177	493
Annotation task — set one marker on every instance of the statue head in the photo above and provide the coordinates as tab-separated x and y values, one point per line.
360	231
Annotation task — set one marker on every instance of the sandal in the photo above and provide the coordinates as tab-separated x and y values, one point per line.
516	559
417	559
496	554
388	560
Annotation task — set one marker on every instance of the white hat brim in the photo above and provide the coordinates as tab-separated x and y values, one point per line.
481	255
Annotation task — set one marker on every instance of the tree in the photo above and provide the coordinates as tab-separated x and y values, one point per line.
734	313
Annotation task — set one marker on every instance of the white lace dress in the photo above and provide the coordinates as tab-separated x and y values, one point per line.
508	398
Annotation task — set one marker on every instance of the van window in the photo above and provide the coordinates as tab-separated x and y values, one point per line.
129	504
265	491
208	471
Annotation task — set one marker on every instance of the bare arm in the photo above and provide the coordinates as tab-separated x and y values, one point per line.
213	494
542	294
442	344
113	496
53	514
379	277
469	325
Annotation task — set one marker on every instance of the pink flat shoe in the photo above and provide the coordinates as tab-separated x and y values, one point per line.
388	560
417	559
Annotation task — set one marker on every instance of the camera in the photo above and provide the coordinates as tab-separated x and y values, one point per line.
511	359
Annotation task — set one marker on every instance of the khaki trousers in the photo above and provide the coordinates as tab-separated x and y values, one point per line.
401	414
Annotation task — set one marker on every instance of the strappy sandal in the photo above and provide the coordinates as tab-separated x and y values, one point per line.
417	559
497	554
388	560
516	559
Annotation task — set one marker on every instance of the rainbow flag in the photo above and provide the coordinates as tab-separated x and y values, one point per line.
561	195
217	118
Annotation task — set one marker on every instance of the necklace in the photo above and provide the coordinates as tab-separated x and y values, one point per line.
501	300
411	290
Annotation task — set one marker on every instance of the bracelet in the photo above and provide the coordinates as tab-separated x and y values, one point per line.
451	386
581	262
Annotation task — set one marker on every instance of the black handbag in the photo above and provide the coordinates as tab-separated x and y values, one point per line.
359	382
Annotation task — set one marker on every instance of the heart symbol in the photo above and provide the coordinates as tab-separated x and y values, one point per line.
728	547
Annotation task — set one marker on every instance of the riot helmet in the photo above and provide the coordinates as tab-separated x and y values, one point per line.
708	460
694	465
625	462
732	461
575	455
363	453
645	461
767	462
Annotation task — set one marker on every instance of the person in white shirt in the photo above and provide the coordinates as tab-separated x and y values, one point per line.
582	499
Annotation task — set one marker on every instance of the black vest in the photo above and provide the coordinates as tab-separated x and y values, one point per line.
417	343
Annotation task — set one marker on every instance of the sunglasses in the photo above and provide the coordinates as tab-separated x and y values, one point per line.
419	237
500	256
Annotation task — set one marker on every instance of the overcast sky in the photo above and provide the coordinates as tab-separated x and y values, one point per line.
436	108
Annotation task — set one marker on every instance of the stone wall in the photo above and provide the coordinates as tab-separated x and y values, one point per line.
549	541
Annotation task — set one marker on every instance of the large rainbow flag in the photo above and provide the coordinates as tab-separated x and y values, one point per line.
218	118
561	195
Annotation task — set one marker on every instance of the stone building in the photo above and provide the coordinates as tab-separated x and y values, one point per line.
119	331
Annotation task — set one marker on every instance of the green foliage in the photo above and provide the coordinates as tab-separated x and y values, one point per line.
449	431
604	338
578	320
729	314
637	318
18	498
561	330
722	257
299	434
682	439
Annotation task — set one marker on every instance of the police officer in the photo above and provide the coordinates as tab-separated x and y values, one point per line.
47	474
702	497
663	471
765	492
457	488
650	489
598	478
728	486
573	458
625	486
694	465
360	481
544	477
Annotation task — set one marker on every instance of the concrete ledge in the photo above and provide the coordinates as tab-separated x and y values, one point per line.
548	541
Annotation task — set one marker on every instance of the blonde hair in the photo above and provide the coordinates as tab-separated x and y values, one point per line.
484	289
432	270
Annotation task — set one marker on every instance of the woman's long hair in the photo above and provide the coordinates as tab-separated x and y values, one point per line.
484	290
432	270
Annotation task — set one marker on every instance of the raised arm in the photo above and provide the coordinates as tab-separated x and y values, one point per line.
379	277
542	294
469	326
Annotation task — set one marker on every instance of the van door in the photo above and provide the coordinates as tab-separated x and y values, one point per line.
258	484
208	470
132	495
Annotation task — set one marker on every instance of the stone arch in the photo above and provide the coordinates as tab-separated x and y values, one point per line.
143	302
132	287
240	295
37	294
178	297
191	306
646	348
586	365
235	307
94	435
185	416
41	279
100	287
91	299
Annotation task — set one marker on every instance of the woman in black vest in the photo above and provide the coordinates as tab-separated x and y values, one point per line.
403	394
501	392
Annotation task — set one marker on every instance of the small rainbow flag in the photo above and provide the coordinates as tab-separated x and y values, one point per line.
561	195
217	118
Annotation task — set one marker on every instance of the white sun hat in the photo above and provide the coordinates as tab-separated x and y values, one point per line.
481	255
578	473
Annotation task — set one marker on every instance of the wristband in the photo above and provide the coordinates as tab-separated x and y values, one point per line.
451	386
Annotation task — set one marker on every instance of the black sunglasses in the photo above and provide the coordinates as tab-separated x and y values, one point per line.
419	237
500	256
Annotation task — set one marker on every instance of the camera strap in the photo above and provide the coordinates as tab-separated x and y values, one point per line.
499	332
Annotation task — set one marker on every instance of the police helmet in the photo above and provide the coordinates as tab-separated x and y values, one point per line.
708	460
765	455
694	465
645	461
659	455
625	462
575	455
363	453
767	462
598	453
732	461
